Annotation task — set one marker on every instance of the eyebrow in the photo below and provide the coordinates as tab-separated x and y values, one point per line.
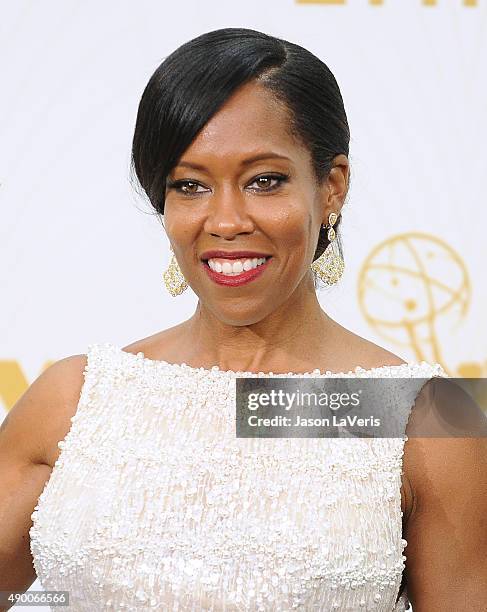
245	162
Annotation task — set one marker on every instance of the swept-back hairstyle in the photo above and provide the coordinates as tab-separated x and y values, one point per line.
194	81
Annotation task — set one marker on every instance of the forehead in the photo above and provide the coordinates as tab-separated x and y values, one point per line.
251	120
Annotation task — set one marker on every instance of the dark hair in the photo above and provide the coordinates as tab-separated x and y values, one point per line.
194	81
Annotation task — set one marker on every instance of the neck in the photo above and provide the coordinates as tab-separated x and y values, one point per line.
294	336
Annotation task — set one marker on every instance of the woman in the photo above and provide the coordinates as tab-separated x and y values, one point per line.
140	494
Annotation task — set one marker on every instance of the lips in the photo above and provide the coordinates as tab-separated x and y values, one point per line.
235	280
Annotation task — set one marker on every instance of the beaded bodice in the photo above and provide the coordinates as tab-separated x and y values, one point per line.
154	504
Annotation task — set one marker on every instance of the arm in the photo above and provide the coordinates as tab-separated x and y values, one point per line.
446	567
28	434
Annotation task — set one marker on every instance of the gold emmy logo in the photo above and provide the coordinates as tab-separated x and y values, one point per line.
410	285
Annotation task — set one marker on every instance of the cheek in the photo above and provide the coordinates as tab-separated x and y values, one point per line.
292	229
181	226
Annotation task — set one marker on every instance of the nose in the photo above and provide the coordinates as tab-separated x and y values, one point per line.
227	214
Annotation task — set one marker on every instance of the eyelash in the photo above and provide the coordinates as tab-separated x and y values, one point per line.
281	178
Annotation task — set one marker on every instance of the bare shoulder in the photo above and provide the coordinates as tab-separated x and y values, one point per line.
358	351
41	416
162	345
447	434
375	356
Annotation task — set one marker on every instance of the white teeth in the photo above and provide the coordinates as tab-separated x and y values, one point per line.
230	267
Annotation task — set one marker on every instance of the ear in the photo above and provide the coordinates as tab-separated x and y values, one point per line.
336	187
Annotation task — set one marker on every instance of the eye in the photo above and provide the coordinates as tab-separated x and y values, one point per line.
264	181
178	186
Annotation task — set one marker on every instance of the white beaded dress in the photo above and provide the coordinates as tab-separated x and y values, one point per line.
155	504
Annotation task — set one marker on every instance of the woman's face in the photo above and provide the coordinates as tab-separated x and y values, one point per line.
227	201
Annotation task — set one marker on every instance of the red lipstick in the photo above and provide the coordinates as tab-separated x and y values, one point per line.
236	279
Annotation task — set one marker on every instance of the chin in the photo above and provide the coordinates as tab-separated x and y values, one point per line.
240	317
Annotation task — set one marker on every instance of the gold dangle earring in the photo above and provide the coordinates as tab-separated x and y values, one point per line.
173	277
330	265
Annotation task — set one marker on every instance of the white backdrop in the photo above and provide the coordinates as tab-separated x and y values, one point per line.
83	259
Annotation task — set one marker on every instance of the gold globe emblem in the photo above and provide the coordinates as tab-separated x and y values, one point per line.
409	286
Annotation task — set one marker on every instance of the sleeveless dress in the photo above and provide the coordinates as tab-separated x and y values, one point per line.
154	504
